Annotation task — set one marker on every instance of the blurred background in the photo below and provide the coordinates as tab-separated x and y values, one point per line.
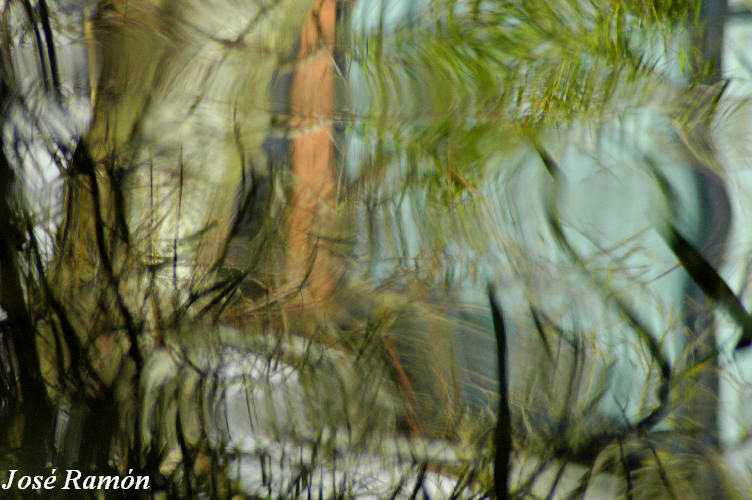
257	249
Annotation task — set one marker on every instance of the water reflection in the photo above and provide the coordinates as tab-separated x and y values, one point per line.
609	205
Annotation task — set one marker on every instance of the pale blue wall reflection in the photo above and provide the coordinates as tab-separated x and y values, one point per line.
610	207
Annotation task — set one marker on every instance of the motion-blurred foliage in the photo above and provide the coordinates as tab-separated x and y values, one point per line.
153	319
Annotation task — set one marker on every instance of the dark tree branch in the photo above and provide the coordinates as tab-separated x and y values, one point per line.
503	434
35	404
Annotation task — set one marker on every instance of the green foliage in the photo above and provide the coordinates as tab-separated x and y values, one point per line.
445	106
469	80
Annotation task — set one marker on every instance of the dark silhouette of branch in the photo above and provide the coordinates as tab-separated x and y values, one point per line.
643	332
35	403
503	434
700	270
82	159
44	16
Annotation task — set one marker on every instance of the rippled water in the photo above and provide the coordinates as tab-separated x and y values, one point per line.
452	241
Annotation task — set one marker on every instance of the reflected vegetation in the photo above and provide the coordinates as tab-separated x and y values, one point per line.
450	248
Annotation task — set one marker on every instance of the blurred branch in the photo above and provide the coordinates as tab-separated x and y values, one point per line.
35	403
503	433
643	332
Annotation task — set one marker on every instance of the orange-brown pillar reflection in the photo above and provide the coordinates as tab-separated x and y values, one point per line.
313	194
